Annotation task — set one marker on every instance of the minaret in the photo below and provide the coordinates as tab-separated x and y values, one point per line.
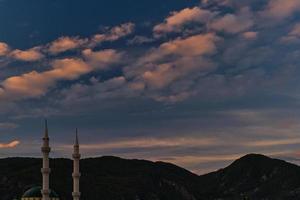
76	173
45	170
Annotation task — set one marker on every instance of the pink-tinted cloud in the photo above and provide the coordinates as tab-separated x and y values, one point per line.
164	74
196	45
101	59
234	23
3	48
35	84
192	46
176	21
65	43
281	9
293	36
33	54
154	142
250	35
12	144
172	61
112	34
120	31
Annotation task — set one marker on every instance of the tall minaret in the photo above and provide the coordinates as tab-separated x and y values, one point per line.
76	173
45	170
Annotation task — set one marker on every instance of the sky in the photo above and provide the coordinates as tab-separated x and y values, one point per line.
195	83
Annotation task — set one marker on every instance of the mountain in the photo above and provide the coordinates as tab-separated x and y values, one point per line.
105	178
253	176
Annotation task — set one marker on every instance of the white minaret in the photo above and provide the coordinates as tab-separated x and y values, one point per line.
45	170
76	173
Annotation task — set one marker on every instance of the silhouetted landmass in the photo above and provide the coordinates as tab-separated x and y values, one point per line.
254	177
111	178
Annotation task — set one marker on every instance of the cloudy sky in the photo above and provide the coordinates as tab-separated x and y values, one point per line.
195	83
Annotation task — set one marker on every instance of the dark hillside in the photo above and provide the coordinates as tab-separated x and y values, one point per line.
110	178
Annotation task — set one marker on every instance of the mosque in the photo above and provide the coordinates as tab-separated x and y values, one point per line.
44	192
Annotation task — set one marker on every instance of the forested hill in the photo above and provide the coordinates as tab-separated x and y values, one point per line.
111	178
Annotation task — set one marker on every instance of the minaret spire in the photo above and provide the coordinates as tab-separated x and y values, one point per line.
76	140
46	129
76	174
45	170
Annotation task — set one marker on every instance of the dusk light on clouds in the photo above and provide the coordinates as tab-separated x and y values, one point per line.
195	83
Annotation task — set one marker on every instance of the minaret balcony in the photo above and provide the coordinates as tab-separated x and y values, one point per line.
76	194
46	170
46	149
76	155
76	175
45	192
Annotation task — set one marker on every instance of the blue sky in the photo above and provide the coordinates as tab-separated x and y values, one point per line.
195	83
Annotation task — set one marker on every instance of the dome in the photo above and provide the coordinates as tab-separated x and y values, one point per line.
35	192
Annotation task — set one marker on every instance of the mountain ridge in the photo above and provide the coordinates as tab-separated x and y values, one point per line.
253	176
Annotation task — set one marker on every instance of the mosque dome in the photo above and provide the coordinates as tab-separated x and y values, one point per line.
34	193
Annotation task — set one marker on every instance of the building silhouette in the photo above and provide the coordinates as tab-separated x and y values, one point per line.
44	192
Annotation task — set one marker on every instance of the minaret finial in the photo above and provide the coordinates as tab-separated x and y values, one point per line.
46	128
76	140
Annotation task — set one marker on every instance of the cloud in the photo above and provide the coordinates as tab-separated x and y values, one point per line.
234	4
250	35
101	59
275	142
281	9
35	84
170	72
7	125
196	45
293	36
234	23
222	63
138	39
192	46
153	143
12	144
172	62
113	34
66	43
141	81
176	21
68	68
4	48
33	54
164	74
95	91
118	32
